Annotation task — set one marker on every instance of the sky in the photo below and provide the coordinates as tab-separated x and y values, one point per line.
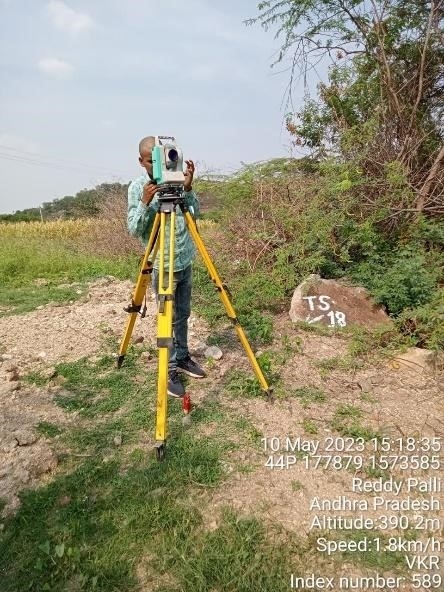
82	82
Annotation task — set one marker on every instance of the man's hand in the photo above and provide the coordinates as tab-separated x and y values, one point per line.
149	190
189	174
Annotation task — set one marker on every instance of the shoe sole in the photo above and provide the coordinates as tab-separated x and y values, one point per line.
175	395
188	373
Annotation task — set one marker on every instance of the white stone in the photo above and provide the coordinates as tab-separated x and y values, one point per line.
213	352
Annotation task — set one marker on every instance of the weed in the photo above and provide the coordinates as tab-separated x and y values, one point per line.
309	427
243	385
259	327
367	397
35	378
339	363
381	341
221	338
345	420
296	485
19	300
205	299
309	394
318	329
423	324
251	432
235	556
46	428
375	473
91	392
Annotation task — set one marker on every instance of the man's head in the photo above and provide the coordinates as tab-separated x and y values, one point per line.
145	152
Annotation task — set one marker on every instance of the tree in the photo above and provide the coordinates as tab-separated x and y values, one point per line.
383	103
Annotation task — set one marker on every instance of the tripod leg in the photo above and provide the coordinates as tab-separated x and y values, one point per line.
227	303
164	327
140	289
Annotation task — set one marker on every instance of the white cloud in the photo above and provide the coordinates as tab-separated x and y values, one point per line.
55	67
66	19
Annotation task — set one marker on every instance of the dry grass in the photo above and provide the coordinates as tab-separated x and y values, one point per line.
54	229
105	235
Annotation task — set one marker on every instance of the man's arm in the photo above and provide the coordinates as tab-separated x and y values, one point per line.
190	197
140	213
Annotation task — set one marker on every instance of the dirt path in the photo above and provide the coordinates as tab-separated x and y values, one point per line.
393	401
36	342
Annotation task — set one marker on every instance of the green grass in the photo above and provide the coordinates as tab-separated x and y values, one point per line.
309	395
238	556
112	511
346	363
110	518
242	385
206	301
309	426
22	299
46	428
347	421
243	424
35	272
35	378
110	508
379	561
257	325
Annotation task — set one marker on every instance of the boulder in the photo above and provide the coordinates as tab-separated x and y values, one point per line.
335	304
420	360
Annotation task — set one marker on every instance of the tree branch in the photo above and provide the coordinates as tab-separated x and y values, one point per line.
420	81
425	190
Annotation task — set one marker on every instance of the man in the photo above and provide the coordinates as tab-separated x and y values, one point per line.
142	208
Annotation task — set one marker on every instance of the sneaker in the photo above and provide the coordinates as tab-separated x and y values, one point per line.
188	366
175	387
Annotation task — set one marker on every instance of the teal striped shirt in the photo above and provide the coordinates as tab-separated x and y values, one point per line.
141	218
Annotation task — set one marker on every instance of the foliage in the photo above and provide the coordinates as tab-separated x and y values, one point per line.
424	324
309	395
280	228
382	103
399	280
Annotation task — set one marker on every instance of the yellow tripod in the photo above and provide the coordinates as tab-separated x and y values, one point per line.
169	198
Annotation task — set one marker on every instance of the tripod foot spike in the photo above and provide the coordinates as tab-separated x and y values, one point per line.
269	395
120	360
160	451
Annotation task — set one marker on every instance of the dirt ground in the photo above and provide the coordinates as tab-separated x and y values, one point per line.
395	400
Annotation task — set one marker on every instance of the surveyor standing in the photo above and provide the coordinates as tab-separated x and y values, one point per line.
142	208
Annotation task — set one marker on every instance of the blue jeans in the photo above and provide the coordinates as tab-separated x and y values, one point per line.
182	282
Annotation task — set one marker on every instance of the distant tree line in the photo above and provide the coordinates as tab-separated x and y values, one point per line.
84	204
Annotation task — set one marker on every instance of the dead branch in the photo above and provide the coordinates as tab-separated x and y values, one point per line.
425	190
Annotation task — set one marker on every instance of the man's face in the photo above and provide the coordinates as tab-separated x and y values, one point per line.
146	160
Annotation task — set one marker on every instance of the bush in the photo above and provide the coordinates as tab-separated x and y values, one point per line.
281	223
400	281
425	323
